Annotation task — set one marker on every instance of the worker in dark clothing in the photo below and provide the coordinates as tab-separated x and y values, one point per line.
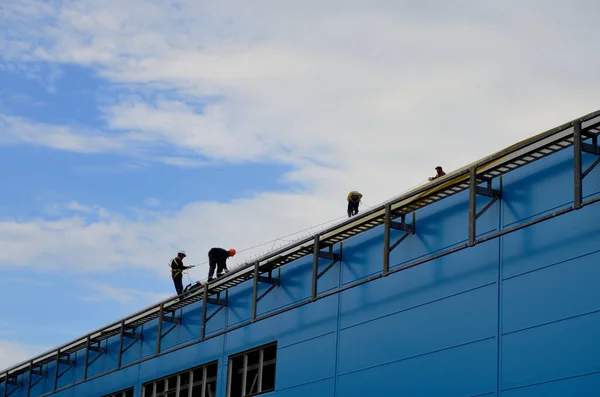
439	173
354	198
217	257
177	269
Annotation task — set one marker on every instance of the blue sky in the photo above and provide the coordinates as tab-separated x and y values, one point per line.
129	130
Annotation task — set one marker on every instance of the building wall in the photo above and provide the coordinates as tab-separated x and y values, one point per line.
517	316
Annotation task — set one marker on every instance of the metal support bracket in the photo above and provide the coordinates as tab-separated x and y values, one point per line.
126	334
68	362
388	225
41	374
317	254
474	190
579	147
256	278
8	380
165	318
214	301
94	346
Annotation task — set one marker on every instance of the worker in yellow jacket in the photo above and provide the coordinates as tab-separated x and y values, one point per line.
354	198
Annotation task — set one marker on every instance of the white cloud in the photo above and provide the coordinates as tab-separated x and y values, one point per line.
17	130
80	245
122	295
395	85
353	95
13	352
152	202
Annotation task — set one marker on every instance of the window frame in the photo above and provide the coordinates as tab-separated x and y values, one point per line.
261	365
121	393
190	372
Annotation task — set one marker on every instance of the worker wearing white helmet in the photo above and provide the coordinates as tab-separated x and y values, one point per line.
177	269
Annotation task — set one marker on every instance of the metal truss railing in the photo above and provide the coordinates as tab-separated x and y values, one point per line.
396	214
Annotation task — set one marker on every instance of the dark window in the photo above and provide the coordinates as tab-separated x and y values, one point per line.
252	372
123	393
179	385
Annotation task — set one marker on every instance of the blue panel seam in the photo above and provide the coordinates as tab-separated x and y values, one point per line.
304	384
281	347
553	264
553	381
420	305
419	355
552	322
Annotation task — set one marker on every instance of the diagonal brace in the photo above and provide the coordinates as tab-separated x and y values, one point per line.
217	301
205	302
14	382
274	282
474	190
591	148
317	253
402	225
8	381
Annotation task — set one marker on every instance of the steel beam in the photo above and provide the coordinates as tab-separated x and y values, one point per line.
121	332
204	305
472	205
56	371
4	394
386	238
159	331
29	378
315	268
255	291
577	163
87	356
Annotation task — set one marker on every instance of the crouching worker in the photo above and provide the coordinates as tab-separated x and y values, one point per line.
217	257
354	198
177	269
439	172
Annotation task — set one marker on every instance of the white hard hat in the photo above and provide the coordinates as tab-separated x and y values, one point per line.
182	252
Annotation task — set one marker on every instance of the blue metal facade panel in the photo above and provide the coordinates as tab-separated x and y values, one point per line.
516	316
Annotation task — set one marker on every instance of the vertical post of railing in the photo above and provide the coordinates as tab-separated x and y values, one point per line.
29	378
56	371
386	239
120	357
204	305
578	193
315	269
5	384
255	291
472	205
161	311
87	355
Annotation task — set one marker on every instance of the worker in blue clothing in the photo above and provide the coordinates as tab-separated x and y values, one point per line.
217	257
